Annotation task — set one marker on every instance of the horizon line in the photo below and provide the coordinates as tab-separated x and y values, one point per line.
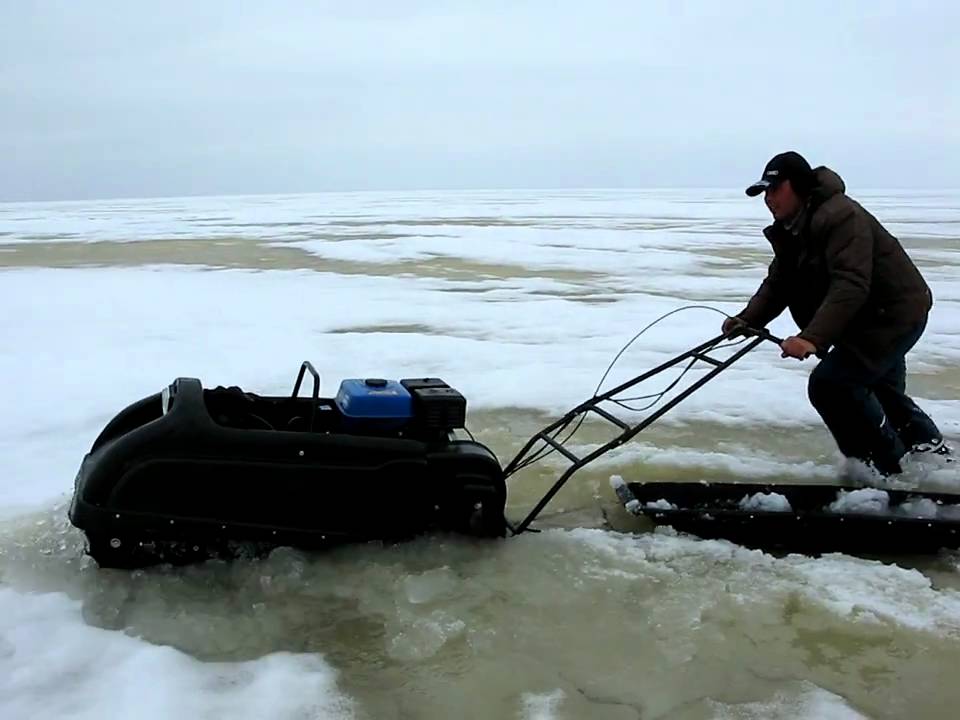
503	189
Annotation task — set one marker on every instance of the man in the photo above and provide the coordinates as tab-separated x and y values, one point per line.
861	305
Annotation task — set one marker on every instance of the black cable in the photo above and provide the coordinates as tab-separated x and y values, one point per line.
621	401
657	396
741	341
658	320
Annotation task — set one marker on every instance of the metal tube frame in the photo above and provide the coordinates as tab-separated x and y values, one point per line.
591	405
307	365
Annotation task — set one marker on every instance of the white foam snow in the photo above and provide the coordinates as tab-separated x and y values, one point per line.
661	504
864	500
767	502
919	508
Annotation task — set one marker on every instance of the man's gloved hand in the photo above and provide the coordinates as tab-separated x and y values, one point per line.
731	324
797	347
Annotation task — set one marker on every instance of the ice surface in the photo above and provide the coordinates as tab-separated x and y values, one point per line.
542	706
515	331
807	702
843	586
527	299
430	586
52	664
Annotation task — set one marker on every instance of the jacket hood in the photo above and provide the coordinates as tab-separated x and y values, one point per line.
827	183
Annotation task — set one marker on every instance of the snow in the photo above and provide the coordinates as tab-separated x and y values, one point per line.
864	500
661	504
766	502
52	664
918	508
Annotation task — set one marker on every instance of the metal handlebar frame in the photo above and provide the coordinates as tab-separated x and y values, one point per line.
316	389
628	431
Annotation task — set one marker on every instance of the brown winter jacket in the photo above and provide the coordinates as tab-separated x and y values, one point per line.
847	281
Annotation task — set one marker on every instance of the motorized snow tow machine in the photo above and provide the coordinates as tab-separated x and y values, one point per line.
190	473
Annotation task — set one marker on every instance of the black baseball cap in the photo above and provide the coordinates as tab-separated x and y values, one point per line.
789	165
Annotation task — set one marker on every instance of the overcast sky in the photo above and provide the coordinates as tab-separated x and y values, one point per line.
104	99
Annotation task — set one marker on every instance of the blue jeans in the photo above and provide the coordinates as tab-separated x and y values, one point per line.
868	411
